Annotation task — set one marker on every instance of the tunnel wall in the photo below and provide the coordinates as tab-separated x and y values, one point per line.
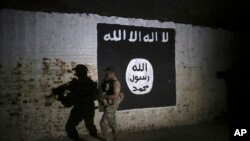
38	51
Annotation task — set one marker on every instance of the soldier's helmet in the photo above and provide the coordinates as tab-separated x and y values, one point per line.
109	68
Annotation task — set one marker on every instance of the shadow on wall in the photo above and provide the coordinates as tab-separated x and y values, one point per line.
237	80
79	94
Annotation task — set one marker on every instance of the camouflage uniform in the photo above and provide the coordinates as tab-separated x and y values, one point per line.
108	120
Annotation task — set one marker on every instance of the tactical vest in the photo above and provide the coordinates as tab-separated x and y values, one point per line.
110	87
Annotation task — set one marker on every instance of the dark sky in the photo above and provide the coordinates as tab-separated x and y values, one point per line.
226	14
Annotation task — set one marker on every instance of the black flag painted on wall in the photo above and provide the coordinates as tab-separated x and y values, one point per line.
144	60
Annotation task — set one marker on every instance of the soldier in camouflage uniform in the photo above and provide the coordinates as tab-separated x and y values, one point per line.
111	87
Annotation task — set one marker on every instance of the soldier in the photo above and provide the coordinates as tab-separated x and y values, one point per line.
82	93
111	87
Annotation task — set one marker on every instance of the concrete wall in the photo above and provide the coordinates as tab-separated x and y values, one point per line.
37	53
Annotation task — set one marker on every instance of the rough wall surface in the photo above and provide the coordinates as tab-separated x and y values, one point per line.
38	51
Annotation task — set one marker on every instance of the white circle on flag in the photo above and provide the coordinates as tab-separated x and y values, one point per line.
139	76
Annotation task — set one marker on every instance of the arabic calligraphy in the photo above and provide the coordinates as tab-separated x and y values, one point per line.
139	76
136	36
144	88
140	67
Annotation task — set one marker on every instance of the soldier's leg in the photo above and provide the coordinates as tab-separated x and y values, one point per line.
112	120
104	123
89	122
74	119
